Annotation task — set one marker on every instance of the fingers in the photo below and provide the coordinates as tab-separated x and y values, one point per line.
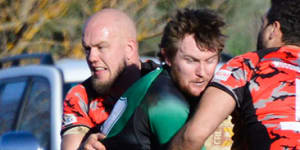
93	142
100	136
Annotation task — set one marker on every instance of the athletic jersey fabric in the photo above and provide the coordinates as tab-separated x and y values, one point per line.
84	107
161	113
266	87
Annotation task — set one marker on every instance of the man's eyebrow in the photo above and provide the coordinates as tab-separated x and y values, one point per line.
216	55
96	44
190	57
100	43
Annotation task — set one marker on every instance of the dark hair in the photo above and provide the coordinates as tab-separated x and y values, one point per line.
204	24
287	13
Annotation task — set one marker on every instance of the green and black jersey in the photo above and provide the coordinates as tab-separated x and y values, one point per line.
154	110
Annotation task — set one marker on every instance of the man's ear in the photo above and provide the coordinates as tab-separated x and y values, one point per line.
166	58
276	33
131	49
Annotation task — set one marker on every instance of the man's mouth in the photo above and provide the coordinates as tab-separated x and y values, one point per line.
99	68
198	83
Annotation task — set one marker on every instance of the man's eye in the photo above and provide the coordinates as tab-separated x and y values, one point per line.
99	47
87	50
190	60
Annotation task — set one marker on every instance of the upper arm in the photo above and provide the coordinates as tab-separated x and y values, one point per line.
167	117
75	109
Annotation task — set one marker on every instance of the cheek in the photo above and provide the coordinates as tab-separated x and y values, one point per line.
115	56
181	73
210	70
185	70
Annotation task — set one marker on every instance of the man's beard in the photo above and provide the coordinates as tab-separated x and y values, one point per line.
260	44
103	88
183	89
191	98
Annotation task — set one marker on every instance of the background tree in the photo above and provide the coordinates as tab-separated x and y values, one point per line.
30	26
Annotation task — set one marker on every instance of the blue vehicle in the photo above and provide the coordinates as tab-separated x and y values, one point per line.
31	100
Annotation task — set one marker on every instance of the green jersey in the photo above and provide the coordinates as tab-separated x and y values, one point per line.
148	115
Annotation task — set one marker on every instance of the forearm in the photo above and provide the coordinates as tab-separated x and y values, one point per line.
71	141
72	138
210	113
190	137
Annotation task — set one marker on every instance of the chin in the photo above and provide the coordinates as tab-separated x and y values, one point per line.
194	93
198	91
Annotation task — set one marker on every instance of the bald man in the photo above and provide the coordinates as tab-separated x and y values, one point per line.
110	45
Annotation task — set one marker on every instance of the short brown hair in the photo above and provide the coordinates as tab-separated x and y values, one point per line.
204	24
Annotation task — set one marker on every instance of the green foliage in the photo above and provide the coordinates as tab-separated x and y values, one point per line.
243	24
28	26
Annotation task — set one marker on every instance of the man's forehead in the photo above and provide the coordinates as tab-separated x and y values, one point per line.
97	33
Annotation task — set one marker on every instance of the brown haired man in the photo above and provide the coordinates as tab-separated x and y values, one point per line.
158	105
260	88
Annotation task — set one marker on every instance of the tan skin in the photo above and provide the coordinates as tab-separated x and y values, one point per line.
192	67
104	40
215	104
192	136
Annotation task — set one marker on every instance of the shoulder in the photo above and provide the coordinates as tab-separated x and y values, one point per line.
164	86
165	99
250	57
253	57
167	117
169	105
167	113
79	91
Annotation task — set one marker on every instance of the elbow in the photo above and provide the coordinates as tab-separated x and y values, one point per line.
188	138
193	138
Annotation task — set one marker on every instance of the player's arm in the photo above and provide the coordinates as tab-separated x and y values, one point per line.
76	122
215	105
73	137
74	140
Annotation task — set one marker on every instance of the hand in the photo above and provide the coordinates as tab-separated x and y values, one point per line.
93	142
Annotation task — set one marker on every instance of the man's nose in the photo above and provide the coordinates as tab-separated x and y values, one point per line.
92	56
200	69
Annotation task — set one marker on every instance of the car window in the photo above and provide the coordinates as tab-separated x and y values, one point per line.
36	115
11	92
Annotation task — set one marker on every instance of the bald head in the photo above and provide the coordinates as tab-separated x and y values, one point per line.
118	20
109	40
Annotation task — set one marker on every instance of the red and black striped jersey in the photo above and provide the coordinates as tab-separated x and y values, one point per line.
83	107
266	87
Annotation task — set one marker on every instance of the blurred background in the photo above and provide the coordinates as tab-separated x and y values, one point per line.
54	26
